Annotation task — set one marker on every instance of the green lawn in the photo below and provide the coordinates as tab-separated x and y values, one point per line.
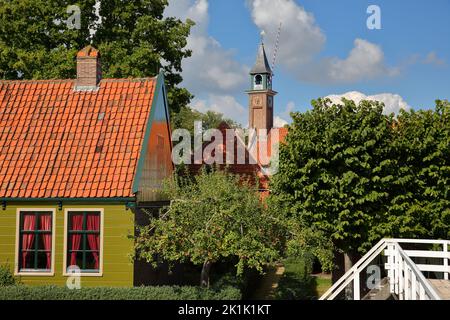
297	283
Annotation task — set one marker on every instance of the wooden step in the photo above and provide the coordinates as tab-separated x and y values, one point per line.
383	292
442	287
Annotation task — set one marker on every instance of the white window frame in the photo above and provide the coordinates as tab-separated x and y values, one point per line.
34	272
66	239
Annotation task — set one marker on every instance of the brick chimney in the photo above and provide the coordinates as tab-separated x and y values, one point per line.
89	70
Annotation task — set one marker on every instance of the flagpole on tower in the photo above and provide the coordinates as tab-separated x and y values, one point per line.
277	46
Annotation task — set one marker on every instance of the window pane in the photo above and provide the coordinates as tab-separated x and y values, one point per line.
45	222
28	222
91	261
76	221
27	240
75	241
42	260
29	259
35	246
75	259
93	222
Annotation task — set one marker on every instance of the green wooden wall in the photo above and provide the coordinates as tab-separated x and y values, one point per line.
118	224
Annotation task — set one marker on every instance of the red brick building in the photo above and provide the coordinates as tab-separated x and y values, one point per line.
261	117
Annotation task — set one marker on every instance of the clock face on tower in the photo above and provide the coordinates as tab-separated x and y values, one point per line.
257	101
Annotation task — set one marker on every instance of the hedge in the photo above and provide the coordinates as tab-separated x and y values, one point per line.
22	292
6	276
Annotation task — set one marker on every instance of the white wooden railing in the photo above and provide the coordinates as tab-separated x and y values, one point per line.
406	279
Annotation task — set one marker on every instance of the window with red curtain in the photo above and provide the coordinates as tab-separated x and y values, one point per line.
35	241
84	240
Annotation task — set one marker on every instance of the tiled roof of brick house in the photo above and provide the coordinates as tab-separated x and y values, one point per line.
58	142
249	171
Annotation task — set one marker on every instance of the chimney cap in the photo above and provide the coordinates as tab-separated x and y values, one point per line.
88	51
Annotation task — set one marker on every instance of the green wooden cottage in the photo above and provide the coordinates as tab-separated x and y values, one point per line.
77	159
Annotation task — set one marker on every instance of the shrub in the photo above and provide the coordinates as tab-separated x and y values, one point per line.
246	283
6	277
296	282
23	292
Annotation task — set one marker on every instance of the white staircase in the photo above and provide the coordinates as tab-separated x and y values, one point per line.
406	279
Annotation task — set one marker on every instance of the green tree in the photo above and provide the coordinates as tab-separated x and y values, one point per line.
353	175
335	172
132	36
211	120
212	216
420	193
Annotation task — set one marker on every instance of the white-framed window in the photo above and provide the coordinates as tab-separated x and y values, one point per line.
35	242
83	241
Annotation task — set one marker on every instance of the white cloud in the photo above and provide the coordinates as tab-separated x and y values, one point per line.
284	117
302	39
432	58
211	68
216	78
279	122
365	61
289	108
393	102
225	104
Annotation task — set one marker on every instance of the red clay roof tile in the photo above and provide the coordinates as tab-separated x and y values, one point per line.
57	142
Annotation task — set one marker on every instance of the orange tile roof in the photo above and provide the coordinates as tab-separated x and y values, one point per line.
247	171
59	143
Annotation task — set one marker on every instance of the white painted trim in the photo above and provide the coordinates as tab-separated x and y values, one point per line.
419	241
33	272
403	270
102	227
428	254
433	268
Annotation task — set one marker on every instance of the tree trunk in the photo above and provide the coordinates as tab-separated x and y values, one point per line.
348	264
339	267
204	277
343	263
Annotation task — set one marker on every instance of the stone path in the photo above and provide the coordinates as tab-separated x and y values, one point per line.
269	283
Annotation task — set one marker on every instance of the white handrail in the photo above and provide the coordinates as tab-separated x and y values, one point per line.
405	277
343	281
411	294
419	241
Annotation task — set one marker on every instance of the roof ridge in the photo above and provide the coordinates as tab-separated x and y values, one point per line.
35	80
71	80
129	79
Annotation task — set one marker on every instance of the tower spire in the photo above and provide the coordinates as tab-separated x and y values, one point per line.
262	64
261	95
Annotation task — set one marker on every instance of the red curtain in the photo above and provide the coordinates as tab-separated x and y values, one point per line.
93	224
29	224
77	225
46	225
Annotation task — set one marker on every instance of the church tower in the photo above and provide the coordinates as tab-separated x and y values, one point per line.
261	95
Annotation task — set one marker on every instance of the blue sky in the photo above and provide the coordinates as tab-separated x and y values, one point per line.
325	49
